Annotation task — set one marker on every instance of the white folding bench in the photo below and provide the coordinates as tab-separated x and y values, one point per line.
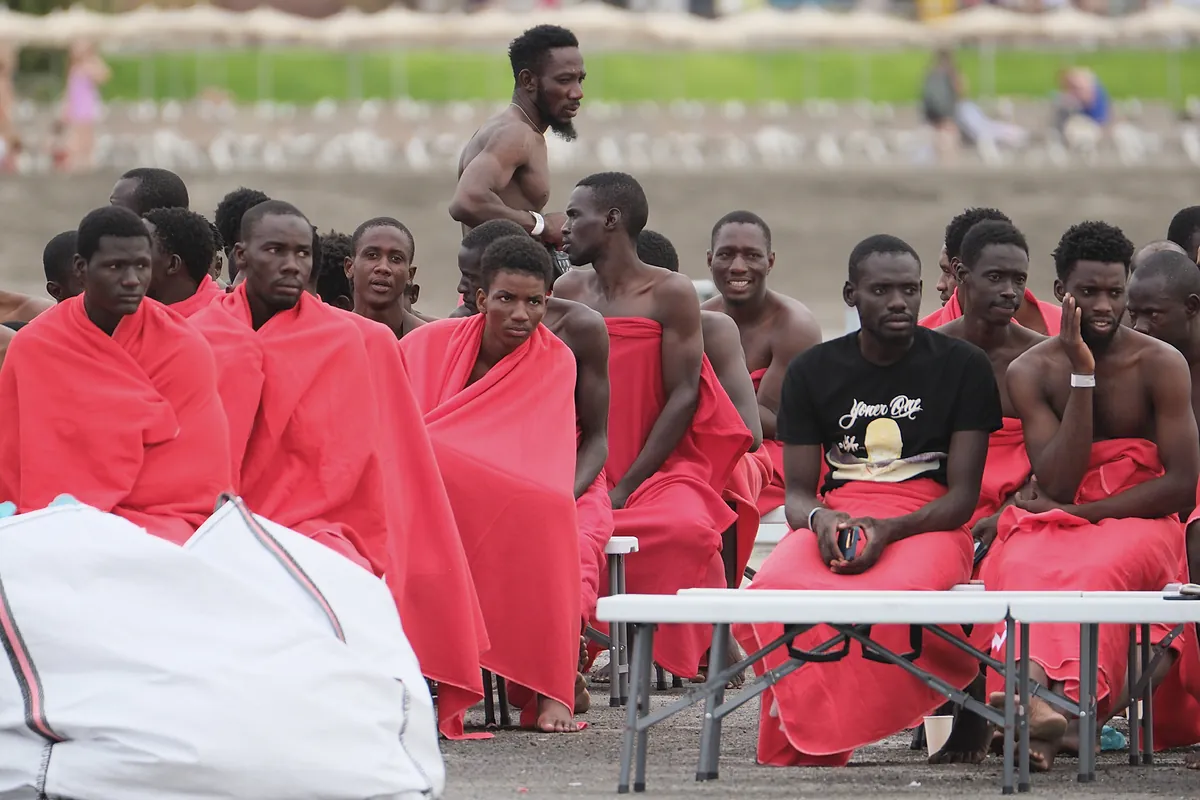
848	613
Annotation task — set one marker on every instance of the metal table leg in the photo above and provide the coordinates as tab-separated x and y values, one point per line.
1147	701
631	714
710	732
623	652
1023	713
1086	706
614	635
1010	690
1135	718
645	661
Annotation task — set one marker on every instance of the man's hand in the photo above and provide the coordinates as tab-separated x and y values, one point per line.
1071	336
1032	499
984	531
825	525
619	496
552	233
877	532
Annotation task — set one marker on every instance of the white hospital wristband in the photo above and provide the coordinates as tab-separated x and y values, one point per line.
1083	381
539	224
812	514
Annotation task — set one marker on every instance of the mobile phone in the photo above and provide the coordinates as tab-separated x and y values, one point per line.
981	550
848	542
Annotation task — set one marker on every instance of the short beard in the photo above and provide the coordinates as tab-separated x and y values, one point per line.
565	130
1096	342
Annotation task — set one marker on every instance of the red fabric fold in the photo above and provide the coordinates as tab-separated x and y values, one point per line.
821	713
772	495
131	424
1056	550
751	474
1051	313
595	514
505	446
311	461
428	573
1007	468
208	291
677	514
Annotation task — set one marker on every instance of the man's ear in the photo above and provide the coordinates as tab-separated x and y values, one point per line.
850	294
1191	305
55	291
174	265
348	268
1060	291
770	261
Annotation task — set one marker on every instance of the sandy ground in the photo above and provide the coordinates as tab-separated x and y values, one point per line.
817	217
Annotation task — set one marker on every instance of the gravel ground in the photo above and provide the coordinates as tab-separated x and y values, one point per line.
521	764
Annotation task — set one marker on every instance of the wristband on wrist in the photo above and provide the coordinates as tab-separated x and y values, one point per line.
812	514
1079	381
539	224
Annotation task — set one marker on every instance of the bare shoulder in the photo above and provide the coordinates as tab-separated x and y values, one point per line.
1156	358
719	328
573	283
1023	338
31	308
581	321
716	303
1046	355
953	328
794	321
672	286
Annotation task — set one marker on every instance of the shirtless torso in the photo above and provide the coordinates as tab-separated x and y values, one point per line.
1002	347
771	337
723	346
15	307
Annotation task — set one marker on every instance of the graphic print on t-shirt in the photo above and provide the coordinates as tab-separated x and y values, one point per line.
879	456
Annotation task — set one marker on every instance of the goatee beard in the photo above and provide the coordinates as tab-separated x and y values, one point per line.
1098	342
564	130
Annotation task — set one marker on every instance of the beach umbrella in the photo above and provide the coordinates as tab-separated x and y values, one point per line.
392	26
1164	21
62	27
1071	24
268	25
165	28
18	28
984	22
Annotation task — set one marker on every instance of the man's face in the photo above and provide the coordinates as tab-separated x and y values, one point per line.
585	230
887	296
994	288
1099	291
945	283
469	275
278	260
513	306
117	276
740	260
123	194
378	270
560	90
1154	312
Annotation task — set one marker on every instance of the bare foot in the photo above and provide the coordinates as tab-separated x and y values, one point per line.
1046	730
733	654
1192	761
554	717
968	742
1070	739
583	700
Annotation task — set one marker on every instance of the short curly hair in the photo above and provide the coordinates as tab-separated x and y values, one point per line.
656	250
515	254
969	218
530	49
988	232
330	266
1091	241
156	188
115	221
185	234
231	209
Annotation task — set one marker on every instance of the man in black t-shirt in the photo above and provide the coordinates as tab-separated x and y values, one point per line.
901	416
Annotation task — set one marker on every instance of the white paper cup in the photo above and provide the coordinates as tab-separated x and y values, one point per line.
937	731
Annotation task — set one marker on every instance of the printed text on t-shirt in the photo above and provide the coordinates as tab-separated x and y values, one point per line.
901	407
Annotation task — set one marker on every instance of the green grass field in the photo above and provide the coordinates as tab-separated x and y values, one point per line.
304	76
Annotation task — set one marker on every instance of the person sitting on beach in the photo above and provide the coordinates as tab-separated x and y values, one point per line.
473	378
1033	313
672	443
755	470
901	415
111	398
1112	438
380	272
146	189
773	327
181	257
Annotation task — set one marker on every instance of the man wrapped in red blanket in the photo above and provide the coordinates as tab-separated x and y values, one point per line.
1112	438
902	417
112	398
497	391
672	444
182	252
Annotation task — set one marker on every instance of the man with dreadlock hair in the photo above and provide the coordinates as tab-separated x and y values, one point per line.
1033	313
1110	433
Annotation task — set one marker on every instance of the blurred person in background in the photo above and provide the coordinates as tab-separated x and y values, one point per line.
940	94
82	105
10	144
1082	103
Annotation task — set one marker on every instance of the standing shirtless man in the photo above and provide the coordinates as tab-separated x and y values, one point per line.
503	172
